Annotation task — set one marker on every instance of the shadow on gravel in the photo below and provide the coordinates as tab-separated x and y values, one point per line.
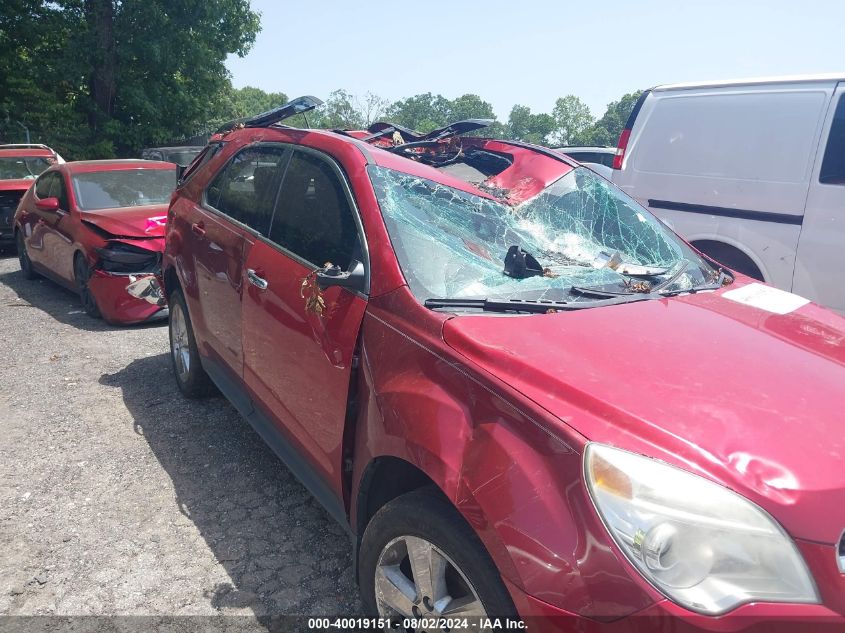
59	302
284	554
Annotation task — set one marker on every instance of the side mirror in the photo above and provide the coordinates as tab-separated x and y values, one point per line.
353	279
47	204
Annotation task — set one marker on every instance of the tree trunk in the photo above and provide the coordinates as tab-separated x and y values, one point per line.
99	15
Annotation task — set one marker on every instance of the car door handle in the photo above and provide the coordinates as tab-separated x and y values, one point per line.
198	228
255	280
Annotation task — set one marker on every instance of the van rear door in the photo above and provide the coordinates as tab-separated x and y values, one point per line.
819	264
730	164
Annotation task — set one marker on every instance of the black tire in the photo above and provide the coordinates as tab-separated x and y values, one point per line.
82	275
23	258
193	382
427	514
731	257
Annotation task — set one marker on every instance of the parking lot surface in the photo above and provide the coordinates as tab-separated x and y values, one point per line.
120	497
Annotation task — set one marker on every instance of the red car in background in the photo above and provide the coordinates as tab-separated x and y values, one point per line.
97	227
518	391
19	166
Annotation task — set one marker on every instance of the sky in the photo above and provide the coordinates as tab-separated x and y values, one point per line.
534	51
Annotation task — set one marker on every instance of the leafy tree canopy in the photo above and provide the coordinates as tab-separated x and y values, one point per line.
101	78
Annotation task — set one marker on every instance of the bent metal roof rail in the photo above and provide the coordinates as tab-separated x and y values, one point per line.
27	146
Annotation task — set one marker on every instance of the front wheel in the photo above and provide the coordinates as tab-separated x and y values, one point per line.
23	258
419	559
191	378
82	274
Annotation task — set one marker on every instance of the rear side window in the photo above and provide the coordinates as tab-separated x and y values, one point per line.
833	165
246	188
313	218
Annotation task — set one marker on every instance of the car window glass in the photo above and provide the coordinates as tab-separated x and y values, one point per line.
833	165
313	218
246	189
58	190
43	185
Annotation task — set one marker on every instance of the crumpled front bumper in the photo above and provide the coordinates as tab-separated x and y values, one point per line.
128	298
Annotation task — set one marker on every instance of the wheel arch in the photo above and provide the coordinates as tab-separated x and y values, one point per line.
734	255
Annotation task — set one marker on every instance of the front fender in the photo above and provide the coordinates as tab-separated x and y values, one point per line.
512	471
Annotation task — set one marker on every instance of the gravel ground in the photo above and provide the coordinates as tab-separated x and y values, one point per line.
120	497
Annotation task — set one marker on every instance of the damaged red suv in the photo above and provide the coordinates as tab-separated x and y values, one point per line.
97	227
520	392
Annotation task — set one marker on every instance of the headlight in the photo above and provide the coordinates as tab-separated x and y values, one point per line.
703	546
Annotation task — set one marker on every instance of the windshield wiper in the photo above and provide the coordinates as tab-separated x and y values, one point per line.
638	287
673	278
524	305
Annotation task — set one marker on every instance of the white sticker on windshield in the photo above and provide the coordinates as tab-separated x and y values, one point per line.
766	298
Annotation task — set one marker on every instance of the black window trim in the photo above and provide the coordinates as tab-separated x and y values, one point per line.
837	100
347	190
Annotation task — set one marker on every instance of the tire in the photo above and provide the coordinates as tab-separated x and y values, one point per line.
82	275
191	378
430	524
23	258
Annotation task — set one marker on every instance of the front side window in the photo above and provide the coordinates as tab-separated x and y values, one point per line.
833	164
123	188
45	184
23	168
246	188
313	218
581	230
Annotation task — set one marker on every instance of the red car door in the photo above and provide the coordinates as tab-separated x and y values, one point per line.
36	225
238	207
298	351
59	234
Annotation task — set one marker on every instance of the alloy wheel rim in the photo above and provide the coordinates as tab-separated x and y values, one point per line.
179	342
416	579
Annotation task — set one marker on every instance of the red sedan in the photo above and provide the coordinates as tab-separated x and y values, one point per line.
97	227
517	390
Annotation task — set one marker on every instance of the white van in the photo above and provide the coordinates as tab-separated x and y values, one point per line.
752	172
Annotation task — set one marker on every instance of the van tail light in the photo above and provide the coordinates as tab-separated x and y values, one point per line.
621	146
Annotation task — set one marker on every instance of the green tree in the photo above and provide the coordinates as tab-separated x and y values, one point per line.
422	112
96	77
338	112
607	129
248	101
532	128
572	120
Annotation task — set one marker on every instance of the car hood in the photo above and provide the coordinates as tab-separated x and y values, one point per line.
16	185
749	398
138	222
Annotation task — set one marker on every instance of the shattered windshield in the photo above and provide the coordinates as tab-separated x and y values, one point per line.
581	230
